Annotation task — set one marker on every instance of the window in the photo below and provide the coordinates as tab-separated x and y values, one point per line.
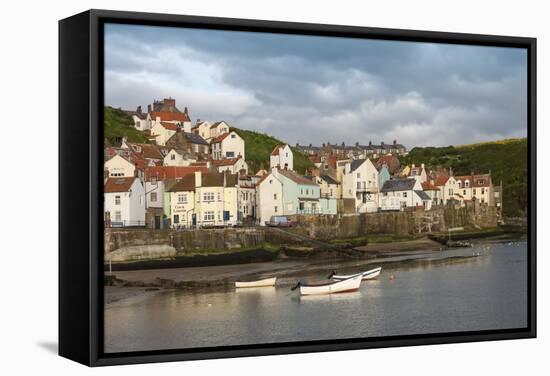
230	154
176	218
358	175
208	196
118	216
404	194
474	191
275	209
467	184
209	216
307	192
232	136
482	191
154	181
117	200
274	196
219	216
219	196
358	185
464	191
173	157
153	196
182	198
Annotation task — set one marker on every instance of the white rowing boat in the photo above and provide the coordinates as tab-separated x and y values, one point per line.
346	285
369	274
259	283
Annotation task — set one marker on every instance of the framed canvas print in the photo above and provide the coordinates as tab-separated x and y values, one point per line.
238	187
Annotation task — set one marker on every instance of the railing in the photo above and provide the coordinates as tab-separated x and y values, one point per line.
125	223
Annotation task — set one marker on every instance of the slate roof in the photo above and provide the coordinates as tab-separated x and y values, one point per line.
296	178
113	185
195	138
423	195
398	185
328	179
355	164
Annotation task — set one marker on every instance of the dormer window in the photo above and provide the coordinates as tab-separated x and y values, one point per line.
467	184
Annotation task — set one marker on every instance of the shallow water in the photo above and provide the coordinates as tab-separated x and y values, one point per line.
460	294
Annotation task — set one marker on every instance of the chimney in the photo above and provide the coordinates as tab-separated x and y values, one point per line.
198	179
185	110
297	145
382	143
149	108
348	168
422	165
370	143
357	143
343	145
413	165
310	145
169	102
394	142
324	145
138	109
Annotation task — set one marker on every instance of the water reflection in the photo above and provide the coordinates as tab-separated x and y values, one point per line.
450	291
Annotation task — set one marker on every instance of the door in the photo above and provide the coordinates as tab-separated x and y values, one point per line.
157	222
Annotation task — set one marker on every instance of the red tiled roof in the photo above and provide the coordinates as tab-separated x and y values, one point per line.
315	158
441	180
171	172
475	180
427	186
113	185
169	126
170	116
225	162
220	138
276	149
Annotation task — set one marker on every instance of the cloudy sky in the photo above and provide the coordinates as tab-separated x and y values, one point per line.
311	89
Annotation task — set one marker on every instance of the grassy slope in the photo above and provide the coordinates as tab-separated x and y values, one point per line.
258	148
506	159
118	124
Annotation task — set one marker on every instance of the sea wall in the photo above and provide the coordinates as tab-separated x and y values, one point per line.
140	244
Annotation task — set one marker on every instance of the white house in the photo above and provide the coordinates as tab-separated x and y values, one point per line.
418	173
227	145
233	165
175	158
163	131
124	202
216	202
202	128
218	128
247	197
118	166
360	182
181	197
269	198
397	194
282	157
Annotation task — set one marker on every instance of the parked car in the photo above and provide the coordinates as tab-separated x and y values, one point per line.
280	221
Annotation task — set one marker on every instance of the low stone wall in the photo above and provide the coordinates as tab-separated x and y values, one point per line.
144	243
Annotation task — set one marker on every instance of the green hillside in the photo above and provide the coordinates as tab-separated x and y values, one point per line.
118	124
505	159
258	148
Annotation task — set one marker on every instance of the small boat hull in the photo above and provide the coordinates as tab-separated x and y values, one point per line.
267	282
346	285
369	274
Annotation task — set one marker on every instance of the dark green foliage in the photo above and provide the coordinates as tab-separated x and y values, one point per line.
506	160
258	148
118	124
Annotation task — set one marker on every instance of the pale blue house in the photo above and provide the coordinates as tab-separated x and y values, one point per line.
383	175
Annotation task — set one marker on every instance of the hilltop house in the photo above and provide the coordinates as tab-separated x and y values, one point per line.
360	182
218	128
397	194
227	145
282	157
269	198
124	202
165	111
142	120
202	128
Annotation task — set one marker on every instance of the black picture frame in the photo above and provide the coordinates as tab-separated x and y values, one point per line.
80	170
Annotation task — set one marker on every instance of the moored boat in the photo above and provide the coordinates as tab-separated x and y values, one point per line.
259	283
369	274
333	287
